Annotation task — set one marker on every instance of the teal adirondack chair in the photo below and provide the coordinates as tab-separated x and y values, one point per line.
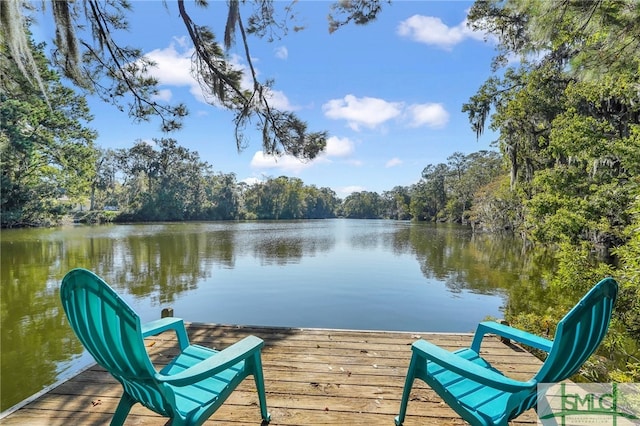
482	395
189	389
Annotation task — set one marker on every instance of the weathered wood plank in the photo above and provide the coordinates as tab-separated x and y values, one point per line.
313	377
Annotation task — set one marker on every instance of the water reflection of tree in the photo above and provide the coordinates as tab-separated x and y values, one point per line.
161	262
481	263
283	250
375	234
34	333
163	265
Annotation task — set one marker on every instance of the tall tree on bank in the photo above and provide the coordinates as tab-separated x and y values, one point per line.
163	181
569	127
568	117
46	151
446	191
88	54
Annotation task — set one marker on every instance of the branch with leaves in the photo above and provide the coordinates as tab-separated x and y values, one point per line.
120	74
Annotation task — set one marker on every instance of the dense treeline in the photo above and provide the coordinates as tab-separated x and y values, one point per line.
164	181
169	182
445	192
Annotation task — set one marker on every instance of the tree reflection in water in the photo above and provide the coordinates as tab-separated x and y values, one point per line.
367	264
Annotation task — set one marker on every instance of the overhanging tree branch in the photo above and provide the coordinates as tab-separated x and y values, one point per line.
114	72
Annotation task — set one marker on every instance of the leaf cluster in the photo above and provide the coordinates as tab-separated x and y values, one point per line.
360	12
88	53
46	149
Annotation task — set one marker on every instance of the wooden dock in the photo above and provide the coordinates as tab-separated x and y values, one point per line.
312	376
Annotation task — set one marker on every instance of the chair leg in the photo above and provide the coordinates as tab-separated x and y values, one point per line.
259	379
124	406
181	421
408	384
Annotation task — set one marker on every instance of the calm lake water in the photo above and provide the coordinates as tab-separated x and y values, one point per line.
356	274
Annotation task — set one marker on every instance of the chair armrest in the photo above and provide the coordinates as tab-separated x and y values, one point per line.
468	369
153	328
510	333
222	360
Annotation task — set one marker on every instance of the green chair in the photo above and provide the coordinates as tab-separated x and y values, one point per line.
482	395
189	389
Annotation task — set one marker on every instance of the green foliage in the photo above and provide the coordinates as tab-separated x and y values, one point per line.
90	55
496	207
446	191
568	115
629	274
360	12
162	184
362	205
320	203
288	198
45	149
578	269
167	182
163	181
571	142
396	203
95	216
604	34
222	197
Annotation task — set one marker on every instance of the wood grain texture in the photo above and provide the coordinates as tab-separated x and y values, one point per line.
312	377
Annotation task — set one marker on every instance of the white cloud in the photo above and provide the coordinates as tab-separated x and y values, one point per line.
432	31
430	114
336	148
393	162
252	180
281	52
279	100
347	190
339	147
173	68
369	112
372	112
287	163
163	95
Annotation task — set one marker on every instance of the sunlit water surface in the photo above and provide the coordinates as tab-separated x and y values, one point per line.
354	274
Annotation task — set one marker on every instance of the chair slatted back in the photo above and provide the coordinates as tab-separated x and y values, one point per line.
111	331
579	333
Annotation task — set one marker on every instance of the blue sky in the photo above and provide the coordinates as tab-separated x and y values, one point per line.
389	94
